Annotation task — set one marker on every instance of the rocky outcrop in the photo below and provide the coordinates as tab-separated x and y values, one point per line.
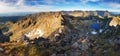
115	21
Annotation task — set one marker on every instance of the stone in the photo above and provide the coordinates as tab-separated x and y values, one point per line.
75	45
53	54
1	50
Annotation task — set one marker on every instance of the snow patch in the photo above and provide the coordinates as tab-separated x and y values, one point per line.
94	32
35	33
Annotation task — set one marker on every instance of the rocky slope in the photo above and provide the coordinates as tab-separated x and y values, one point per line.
49	24
38	25
60	34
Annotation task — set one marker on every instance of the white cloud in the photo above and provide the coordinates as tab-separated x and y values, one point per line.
20	2
55	1
114	5
19	6
85	1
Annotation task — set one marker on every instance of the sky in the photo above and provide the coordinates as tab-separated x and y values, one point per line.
10	6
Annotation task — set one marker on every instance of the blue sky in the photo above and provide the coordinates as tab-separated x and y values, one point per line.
57	5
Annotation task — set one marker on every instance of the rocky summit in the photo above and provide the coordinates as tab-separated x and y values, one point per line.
38	25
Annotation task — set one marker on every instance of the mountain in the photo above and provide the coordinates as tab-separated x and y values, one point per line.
62	34
115	13
47	24
37	25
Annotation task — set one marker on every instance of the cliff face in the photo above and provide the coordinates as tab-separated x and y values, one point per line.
37	25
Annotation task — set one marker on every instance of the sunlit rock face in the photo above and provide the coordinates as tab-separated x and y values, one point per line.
115	21
37	25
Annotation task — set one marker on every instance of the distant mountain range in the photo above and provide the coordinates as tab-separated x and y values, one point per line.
16	14
9	18
4	17
27	13
115	13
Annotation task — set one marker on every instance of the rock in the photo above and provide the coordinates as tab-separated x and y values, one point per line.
53	54
115	21
1	50
75	45
22	39
117	40
84	44
26	43
37	40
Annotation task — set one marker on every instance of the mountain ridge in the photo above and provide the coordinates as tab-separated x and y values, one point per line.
45	23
